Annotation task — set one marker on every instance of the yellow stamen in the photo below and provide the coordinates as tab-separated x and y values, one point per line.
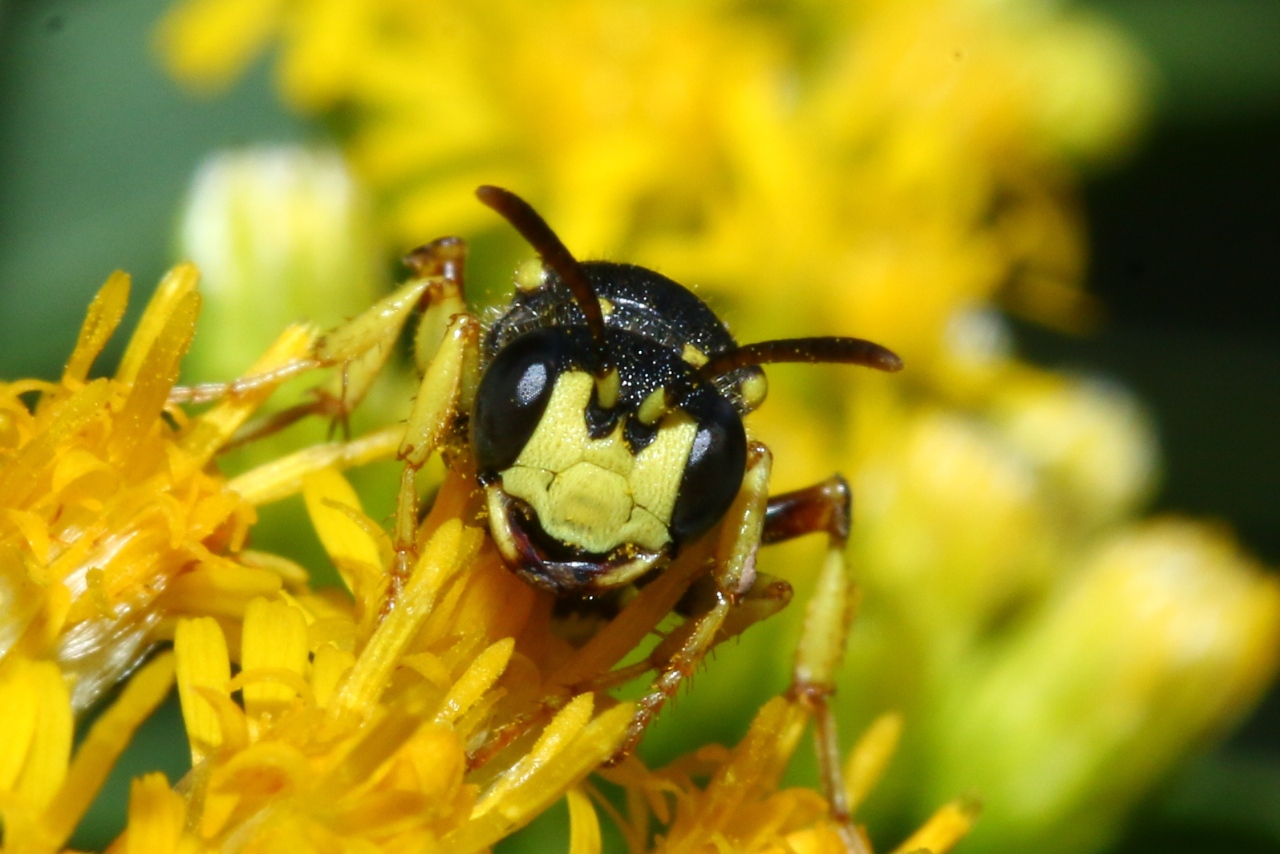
99	324
478	679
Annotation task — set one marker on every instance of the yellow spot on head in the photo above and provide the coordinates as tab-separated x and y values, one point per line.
693	356
530	276
606	306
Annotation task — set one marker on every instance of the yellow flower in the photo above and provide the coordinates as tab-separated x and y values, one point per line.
898	169
978	525
742	809
111	518
360	720
424	726
414	715
890	161
1165	634
286	221
43	790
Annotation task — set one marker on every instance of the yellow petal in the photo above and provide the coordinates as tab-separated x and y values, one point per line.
328	669
49	748
208	42
157	815
176	286
20	475
107	739
564	755
335	513
220	587
870	756
584	824
564	727
156	375
75	464
286	476
439	560
202	660
19	701
943	830
34	530
274	637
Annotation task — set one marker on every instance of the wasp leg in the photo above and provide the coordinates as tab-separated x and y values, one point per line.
441	263
767	597
360	347
212	392
447	350
277	421
444	396
734	573
826	507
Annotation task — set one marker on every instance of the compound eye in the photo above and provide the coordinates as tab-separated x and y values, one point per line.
513	394
714	471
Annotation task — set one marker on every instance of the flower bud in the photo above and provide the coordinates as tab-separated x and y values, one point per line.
1091	439
1168	634
281	235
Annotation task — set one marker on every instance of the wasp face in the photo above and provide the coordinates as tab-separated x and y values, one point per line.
607	425
596	475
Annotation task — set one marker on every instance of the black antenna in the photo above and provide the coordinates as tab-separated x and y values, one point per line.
554	254
849	351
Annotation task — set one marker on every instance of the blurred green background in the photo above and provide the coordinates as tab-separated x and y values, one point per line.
97	146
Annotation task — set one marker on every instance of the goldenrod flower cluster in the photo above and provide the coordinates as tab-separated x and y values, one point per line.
113	525
896	169
901	170
430	712
839	156
112	522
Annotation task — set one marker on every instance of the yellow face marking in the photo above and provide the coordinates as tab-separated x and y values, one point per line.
607	389
593	493
606	306
653	407
693	355
608	577
530	276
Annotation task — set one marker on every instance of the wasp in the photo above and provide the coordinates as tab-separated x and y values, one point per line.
601	411
604	413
